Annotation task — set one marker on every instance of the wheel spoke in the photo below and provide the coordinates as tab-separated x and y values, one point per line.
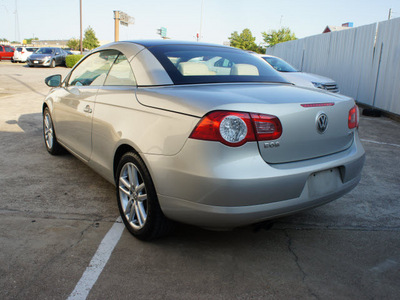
125	182
142	211
142	198
133	176
139	188
138	216
46	121
128	207
132	211
121	188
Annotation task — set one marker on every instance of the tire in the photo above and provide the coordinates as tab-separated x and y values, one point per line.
53	64
49	135
137	200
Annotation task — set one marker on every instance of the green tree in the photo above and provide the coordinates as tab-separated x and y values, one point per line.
3	40
74	44
90	40
274	37
245	41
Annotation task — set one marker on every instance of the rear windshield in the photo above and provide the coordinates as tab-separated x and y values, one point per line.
45	51
19	49
191	64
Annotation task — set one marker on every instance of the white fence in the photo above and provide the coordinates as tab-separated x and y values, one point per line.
364	61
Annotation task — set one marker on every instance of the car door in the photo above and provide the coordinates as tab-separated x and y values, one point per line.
74	107
115	108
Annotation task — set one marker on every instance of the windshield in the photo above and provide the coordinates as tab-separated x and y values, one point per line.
279	64
191	64
44	51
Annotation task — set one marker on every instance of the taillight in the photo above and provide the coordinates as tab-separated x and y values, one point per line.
267	127
353	117
236	128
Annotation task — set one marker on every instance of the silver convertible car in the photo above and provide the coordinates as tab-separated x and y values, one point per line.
202	134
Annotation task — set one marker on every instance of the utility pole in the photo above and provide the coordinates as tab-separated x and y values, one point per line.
81	43
17	33
116	25
390	14
201	21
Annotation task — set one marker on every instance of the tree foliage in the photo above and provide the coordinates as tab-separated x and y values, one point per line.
274	37
90	40
74	44
245	41
3	40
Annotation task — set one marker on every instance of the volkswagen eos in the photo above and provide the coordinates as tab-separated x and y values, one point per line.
202	134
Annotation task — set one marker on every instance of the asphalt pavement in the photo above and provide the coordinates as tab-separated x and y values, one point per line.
56	215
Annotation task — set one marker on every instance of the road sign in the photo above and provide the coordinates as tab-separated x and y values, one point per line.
162	31
125	19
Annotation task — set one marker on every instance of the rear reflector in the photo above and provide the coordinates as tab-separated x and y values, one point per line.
353	117
318	104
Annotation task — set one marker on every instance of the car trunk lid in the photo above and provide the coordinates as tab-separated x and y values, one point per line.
309	132
300	137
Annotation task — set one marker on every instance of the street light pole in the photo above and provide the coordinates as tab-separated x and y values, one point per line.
116	25
81	27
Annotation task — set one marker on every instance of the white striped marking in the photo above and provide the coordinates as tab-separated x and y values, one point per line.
380	143
98	262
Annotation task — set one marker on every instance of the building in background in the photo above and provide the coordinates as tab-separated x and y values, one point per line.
344	26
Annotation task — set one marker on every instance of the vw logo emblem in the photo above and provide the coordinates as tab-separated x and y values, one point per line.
322	123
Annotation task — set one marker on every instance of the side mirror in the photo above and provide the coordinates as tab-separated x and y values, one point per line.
53	81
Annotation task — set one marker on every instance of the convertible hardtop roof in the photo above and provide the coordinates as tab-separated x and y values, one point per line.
153	43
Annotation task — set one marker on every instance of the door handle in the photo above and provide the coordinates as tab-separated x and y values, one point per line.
87	109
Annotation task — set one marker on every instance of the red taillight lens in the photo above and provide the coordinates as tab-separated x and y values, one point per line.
236	128
267	127
230	128
353	117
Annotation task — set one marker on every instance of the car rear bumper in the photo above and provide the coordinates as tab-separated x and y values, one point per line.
218	187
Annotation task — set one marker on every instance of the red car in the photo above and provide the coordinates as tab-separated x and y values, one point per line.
6	52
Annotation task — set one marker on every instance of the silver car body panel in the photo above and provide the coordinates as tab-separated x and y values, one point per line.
300	139
207	183
234	188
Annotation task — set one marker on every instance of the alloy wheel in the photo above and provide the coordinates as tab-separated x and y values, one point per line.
133	196
48	131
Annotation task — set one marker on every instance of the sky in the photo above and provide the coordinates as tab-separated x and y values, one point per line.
59	20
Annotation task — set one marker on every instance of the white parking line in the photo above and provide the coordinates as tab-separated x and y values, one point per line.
380	143
98	262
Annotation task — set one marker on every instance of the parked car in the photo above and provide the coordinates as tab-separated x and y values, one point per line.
47	56
21	54
183	142
300	78
6	52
